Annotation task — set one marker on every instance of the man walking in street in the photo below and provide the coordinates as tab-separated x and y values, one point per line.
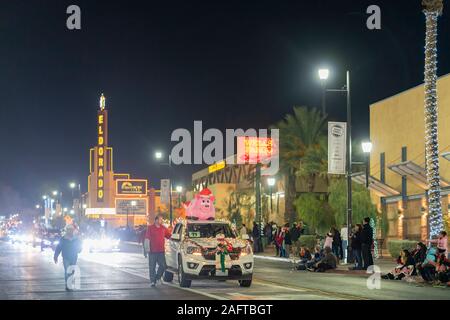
69	247
366	243
154	248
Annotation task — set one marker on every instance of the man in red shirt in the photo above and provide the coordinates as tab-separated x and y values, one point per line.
154	248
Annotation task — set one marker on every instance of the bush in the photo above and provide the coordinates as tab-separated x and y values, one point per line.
396	246
308	241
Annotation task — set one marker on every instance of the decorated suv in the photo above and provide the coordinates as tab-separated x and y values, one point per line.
207	249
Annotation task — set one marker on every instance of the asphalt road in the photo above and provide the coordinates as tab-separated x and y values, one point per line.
26	273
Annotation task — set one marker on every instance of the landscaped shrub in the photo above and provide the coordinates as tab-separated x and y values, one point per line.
308	241
396	246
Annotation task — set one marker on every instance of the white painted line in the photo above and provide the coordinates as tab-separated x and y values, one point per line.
289	260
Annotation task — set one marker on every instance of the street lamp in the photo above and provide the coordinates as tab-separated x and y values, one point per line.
159	156
323	75
72	185
38	206
133	204
44	197
179	189
271	182
367	149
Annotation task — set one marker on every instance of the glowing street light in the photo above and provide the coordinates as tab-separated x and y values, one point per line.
65	209
366	146
38	206
44	197
72	185
158	155
55	193
179	189
324	74
367	149
271	182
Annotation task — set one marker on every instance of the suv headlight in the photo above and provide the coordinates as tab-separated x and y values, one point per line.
196	251
246	250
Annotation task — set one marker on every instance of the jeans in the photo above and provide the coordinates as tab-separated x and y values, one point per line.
367	255
153	259
358	258
344	249
67	263
427	272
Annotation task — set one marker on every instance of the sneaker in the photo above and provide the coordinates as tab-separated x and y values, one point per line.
153	284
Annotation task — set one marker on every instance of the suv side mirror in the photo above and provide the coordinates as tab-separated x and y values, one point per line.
245	237
175	236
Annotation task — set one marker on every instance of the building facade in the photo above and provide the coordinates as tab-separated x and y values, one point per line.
397	160
114	197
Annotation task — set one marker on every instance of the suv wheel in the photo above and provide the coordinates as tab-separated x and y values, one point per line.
168	276
184	283
245	283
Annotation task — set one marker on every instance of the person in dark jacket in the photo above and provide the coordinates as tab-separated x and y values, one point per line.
419	255
69	247
256	234
356	247
305	257
328	262
337	243
405	268
287	241
366	243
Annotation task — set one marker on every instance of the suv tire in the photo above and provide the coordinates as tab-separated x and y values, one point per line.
184	283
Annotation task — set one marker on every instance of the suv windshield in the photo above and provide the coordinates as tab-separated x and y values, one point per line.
209	230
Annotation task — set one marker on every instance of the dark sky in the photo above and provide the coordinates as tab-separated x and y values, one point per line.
164	64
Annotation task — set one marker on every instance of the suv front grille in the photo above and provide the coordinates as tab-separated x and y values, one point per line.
209	254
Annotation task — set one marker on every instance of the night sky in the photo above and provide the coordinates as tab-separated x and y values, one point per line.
162	65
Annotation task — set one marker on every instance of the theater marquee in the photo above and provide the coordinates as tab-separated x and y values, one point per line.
131	187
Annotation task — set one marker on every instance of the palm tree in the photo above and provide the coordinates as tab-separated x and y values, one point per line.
432	10
302	145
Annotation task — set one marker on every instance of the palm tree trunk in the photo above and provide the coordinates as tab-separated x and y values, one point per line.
432	11
290	195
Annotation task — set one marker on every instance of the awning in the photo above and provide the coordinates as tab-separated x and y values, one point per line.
415	173
379	188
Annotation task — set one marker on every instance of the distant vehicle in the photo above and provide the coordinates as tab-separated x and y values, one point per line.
192	252
101	244
48	239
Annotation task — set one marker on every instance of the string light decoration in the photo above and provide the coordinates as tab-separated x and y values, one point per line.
374	235
432	10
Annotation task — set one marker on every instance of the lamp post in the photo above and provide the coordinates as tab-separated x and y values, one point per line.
323	75
72	186
179	189
367	148
159	156
271	183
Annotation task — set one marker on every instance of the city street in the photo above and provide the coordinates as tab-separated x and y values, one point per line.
26	273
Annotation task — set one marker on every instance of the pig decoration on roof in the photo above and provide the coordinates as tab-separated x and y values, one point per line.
201	207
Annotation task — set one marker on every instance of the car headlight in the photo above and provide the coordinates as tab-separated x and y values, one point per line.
47	243
196	251
247	250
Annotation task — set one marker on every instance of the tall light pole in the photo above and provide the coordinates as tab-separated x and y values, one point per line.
323	75
179	190
367	149
159	156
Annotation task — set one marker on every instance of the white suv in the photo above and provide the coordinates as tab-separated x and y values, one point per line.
191	252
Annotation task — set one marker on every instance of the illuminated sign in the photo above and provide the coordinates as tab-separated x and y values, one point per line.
216	166
101	149
131	187
99	211
255	150
131	206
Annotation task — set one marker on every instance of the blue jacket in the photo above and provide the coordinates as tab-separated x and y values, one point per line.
69	249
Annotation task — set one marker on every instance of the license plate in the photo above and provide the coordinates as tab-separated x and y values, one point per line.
219	273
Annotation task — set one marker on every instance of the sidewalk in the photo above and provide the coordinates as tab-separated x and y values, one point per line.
385	263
